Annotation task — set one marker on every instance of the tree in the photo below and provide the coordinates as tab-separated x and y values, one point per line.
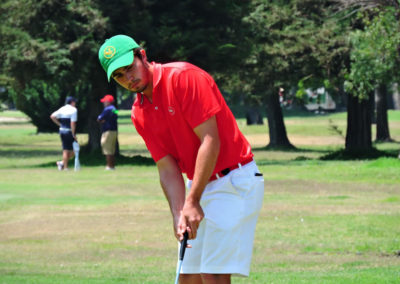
49	51
205	33
374	61
53	44
291	40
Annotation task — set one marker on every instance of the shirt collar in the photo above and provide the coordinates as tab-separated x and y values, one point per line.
157	73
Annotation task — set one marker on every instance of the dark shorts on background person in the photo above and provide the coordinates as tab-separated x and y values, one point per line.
67	139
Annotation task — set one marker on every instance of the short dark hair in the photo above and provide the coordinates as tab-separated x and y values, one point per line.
136	52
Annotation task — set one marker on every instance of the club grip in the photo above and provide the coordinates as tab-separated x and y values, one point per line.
183	245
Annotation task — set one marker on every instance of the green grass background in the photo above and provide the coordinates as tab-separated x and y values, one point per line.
321	222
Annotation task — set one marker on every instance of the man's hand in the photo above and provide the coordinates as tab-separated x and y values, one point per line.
190	219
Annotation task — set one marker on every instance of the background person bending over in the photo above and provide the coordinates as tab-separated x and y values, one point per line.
188	128
109	128
66	118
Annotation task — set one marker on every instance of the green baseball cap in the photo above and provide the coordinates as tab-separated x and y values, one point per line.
116	52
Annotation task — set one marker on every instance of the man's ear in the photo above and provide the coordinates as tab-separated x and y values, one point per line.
143	53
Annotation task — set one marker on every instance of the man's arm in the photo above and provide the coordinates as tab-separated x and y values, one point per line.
55	119
73	129
101	117
207	156
174	188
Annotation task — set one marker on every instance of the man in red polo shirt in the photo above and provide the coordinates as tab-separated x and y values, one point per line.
188	128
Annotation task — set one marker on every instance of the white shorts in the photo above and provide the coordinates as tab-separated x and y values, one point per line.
225	237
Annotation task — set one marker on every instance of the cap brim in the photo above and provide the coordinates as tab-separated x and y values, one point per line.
122	61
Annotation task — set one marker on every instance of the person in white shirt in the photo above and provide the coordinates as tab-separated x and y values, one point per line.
66	118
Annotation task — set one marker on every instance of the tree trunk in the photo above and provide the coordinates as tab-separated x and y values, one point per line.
100	88
358	135
396	96
93	127
382	125
253	116
277	130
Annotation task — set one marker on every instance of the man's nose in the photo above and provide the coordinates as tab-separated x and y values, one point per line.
128	76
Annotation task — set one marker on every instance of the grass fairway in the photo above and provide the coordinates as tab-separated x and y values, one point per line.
321	222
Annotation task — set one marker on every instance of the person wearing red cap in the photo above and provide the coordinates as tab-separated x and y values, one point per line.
109	128
189	129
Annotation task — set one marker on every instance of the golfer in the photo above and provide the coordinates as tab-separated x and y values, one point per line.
66	118
109	127
188	129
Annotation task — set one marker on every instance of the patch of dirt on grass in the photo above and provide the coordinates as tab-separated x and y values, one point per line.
260	140
71	236
318	262
310	197
42	224
4	119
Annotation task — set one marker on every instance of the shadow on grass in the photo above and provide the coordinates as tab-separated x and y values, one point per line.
345	155
306	113
98	159
17	122
124	116
328	155
27	153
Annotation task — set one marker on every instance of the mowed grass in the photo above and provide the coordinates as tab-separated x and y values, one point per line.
321	221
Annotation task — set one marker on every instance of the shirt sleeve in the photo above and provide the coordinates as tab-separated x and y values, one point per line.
74	116
102	115
156	150
199	96
56	113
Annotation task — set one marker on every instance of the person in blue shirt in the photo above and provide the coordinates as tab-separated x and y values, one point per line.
109	128
66	118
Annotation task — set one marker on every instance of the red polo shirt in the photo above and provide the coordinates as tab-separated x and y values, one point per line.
184	96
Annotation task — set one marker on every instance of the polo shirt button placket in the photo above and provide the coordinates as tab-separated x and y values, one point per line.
156	108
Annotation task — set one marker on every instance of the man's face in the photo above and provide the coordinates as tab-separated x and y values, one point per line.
134	77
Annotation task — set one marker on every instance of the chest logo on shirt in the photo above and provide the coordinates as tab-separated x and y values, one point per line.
171	110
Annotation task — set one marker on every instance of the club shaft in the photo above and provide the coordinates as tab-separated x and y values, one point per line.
178	271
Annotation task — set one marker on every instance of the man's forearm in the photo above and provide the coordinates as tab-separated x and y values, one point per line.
205	163
73	128
174	191
172	184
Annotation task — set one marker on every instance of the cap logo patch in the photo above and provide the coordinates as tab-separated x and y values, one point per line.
109	52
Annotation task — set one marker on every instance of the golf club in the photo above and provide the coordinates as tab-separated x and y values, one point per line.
75	146
181	255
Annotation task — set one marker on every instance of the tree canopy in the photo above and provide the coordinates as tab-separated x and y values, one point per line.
253	47
49	51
